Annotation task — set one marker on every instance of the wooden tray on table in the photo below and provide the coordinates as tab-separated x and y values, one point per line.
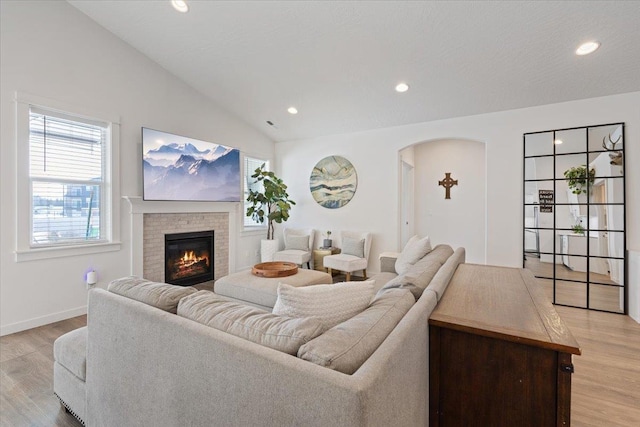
274	269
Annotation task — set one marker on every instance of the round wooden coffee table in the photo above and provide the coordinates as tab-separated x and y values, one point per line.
274	269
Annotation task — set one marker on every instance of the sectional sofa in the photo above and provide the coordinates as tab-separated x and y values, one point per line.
139	364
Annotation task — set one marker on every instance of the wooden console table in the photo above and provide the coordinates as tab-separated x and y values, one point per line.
499	353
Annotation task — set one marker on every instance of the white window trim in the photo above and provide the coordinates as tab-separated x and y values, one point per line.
24	251
255	229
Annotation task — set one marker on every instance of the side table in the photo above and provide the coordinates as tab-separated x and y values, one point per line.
318	256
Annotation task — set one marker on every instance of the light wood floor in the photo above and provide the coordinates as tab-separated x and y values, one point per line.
26	377
601	297
605	392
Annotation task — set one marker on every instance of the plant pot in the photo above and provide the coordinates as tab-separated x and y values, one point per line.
326	243
267	249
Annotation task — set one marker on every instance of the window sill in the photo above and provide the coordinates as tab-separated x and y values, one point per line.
66	251
253	231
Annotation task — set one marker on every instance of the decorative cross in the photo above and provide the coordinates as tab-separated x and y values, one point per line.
447	183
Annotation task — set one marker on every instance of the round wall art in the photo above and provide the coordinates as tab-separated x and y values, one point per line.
333	182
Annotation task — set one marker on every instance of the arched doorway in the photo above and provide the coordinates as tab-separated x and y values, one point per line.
458	221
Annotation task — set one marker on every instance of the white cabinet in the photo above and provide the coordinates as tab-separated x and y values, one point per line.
574	244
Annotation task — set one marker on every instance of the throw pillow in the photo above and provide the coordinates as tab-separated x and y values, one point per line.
415	249
333	304
160	295
280	333
353	247
300	243
348	345
419	276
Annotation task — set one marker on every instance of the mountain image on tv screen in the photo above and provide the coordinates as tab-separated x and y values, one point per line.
180	168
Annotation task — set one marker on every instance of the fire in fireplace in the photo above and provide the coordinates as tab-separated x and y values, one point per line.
188	258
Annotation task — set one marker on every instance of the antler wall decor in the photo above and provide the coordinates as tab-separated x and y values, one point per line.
616	156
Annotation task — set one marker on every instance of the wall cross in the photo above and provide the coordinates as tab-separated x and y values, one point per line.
447	183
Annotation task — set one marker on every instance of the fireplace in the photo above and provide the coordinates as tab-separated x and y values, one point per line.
188	258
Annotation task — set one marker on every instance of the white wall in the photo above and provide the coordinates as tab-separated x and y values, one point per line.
51	50
460	220
375	156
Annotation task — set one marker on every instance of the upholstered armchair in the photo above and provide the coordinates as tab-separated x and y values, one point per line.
354	255
298	244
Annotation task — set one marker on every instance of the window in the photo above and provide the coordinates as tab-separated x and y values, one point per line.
67	183
66	174
250	165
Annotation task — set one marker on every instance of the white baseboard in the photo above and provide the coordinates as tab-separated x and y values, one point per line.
40	321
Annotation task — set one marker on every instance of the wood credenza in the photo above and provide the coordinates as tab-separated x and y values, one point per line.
500	355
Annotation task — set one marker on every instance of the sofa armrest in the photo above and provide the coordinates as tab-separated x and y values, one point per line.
388	262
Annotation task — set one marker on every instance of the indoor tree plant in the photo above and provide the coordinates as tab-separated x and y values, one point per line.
270	202
577	178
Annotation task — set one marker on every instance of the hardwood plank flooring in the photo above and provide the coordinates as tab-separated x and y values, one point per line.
26	377
605	389
601	297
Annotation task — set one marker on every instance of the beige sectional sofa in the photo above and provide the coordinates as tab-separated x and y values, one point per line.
146	366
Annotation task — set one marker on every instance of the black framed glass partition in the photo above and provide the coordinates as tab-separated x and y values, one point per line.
574	221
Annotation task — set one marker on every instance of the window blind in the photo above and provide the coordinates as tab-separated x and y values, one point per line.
66	170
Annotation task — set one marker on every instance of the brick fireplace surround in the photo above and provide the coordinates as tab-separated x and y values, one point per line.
151	220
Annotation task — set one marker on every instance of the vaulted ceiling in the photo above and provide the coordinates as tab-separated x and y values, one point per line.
338	62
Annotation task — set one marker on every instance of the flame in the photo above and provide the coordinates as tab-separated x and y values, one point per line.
189	258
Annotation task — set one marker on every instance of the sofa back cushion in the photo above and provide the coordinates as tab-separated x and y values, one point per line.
160	295
332	303
419	275
414	250
280	333
346	346
442	278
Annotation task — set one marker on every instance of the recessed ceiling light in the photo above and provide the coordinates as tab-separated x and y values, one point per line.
587	48
292	110
180	5
557	141
402	87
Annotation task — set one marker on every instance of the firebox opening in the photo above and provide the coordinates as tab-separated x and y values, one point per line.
189	258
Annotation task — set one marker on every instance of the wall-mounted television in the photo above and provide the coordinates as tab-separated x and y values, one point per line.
186	169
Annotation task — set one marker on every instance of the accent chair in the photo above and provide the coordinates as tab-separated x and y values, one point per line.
354	255
298	244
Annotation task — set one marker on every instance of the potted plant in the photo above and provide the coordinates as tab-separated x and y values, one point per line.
577	178
270	202
578	229
327	241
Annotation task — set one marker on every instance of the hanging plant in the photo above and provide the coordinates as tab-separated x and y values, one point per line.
577	178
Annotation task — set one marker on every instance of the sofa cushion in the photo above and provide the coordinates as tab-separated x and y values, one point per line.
332	303
381	279
280	333
160	295
415	249
346	346
70	351
419	275
353	247
442	278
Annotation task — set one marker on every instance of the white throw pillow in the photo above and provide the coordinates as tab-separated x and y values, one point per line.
300	243
414	250
333	304
353	247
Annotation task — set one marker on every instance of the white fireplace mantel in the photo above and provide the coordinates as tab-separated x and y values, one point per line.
139	207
